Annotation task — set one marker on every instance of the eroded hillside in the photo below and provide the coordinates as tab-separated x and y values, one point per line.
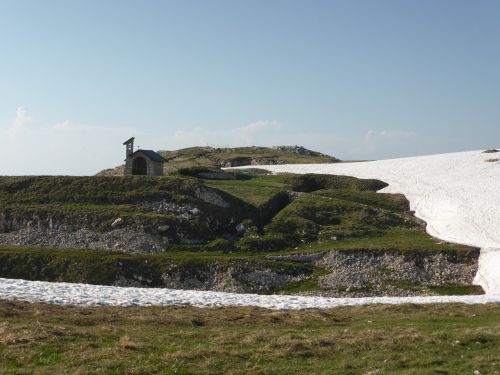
207	229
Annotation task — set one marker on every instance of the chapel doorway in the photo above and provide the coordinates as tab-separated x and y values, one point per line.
140	166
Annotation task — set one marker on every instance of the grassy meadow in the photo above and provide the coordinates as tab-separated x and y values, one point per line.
407	339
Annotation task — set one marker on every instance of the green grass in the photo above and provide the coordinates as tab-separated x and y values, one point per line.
440	290
105	268
320	220
312	182
409	340
95	202
455	290
255	191
396	202
93	190
216	157
338	219
391	240
327	219
179	254
311	284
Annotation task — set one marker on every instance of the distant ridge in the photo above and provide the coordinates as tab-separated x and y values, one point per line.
235	157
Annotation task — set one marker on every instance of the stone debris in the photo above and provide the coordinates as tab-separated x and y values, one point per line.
210	197
115	224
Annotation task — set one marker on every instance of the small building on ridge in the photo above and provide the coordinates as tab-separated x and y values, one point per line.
142	162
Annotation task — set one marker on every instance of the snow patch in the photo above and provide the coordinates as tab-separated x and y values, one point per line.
97	295
457	194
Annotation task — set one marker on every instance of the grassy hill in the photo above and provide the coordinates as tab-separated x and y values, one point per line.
250	211
236	156
240	220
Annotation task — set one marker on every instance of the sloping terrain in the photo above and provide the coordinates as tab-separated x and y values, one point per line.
233	157
253	212
120	213
248	232
456	194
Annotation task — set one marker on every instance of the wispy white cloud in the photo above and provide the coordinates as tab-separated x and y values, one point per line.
248	132
20	122
63	148
70	147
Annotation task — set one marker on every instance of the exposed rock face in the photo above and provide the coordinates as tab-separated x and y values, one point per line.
211	197
361	273
358	268
182	221
122	239
267	161
296	150
243	161
165	206
238	277
236	162
350	273
8	224
184	211
353	273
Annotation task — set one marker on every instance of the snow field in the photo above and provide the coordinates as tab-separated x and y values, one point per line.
457	194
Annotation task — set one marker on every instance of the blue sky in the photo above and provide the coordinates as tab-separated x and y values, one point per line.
355	79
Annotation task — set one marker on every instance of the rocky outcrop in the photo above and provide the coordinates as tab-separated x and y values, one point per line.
182	211
237	277
235	162
243	161
353	273
296	150
359	268
120	239
211	197
361	273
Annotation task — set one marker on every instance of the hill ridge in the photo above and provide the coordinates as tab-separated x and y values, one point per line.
217	157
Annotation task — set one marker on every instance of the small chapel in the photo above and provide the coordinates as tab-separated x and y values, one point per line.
142	162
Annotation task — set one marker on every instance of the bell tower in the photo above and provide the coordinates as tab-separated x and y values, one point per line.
129	147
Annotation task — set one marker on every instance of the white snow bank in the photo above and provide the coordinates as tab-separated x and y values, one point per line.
95	295
457	194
